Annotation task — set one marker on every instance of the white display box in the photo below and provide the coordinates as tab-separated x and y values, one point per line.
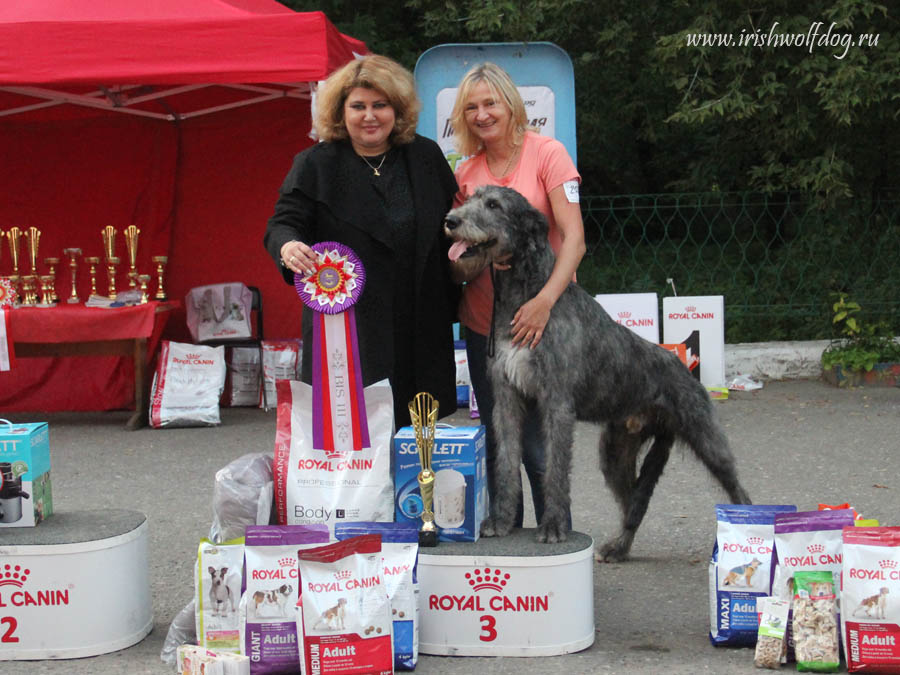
636	311
698	322
460	493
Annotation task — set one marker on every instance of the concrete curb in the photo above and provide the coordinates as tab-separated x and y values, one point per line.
775	360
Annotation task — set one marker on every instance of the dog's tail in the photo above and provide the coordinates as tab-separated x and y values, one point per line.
700	430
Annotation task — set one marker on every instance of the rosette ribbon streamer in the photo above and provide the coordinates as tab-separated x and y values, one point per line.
339	408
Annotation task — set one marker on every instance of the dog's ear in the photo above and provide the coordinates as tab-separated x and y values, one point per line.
212	570
224	571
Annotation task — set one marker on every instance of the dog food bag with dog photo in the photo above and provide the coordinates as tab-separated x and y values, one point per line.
870	597
807	541
218	592
739	570
271	589
187	385
315	486
814	624
400	552
344	615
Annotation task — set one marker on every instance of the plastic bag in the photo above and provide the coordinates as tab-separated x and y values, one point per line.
242	496
182	631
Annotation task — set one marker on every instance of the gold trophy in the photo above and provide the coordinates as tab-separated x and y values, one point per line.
112	261
47	292
93	261
423	411
13	235
73	253
131	243
28	291
144	279
52	263
160	261
109	241
33	240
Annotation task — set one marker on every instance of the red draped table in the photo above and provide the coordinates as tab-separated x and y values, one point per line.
117	340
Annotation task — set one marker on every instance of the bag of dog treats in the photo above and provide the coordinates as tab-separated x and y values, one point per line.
400	553
808	541
344	615
740	569
268	631
194	660
870	588
814	624
315	486
218	592
771	645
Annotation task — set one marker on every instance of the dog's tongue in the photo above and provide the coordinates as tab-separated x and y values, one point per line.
458	248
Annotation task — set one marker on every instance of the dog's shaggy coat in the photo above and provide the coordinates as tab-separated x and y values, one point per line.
586	367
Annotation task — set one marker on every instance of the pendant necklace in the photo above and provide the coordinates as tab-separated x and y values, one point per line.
375	168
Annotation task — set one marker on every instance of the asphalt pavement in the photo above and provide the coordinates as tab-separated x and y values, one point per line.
799	442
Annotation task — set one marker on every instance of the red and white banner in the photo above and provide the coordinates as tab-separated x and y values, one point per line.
7	353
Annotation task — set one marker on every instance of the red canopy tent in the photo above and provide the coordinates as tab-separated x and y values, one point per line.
179	117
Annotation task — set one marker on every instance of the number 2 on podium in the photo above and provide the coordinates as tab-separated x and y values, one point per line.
11	624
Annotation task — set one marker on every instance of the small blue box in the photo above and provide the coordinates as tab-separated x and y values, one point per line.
26	497
460	487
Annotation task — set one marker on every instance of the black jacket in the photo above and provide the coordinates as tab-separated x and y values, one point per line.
325	197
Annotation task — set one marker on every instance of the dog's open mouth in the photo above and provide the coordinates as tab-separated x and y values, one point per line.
464	249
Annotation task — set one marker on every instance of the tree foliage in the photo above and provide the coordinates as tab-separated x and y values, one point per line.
655	113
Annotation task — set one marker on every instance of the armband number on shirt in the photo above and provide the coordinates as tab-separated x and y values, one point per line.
571	190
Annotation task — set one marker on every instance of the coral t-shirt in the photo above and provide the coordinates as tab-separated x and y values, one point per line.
543	165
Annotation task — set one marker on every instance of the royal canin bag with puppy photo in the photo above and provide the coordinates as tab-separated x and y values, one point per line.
344	614
315	486
271	588
218	593
740	569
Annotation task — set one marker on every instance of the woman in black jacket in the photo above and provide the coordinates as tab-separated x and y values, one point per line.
376	186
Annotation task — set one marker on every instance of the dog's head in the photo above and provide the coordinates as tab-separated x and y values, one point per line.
285	589
218	575
493	224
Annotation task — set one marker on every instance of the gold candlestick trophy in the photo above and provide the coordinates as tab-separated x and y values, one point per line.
93	261
72	254
423	411
160	261
131	244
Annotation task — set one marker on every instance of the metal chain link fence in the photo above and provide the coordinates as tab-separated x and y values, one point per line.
777	260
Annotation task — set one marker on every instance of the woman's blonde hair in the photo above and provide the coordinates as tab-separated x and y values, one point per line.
369	72
502	89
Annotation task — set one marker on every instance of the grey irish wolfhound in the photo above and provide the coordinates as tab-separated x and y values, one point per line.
586	367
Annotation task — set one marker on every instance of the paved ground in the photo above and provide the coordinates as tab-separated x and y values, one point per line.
797	442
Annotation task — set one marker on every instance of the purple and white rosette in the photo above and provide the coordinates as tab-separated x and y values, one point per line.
339	409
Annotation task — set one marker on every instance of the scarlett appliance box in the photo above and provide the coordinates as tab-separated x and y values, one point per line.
26	497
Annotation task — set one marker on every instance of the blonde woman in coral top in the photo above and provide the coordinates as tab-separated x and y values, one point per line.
491	125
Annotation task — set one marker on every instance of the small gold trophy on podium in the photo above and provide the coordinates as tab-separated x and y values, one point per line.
93	261
423	411
33	240
52	263
72	254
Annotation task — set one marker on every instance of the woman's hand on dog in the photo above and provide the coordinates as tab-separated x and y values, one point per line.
527	326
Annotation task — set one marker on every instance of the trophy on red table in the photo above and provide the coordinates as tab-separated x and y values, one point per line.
112	261
109	249
47	292
52	263
93	261
73	254
160	261
33	239
423	411
144	279
131	243
12	237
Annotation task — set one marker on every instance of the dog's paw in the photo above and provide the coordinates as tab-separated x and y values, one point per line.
552	532
491	527
615	550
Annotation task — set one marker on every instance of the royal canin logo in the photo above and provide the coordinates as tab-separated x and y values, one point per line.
815	548
752	545
487	578
887	571
342	575
690	308
625	315
755	541
288	562
15	576
490	593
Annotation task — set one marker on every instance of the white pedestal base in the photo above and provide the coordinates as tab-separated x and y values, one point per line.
76	585
507	597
